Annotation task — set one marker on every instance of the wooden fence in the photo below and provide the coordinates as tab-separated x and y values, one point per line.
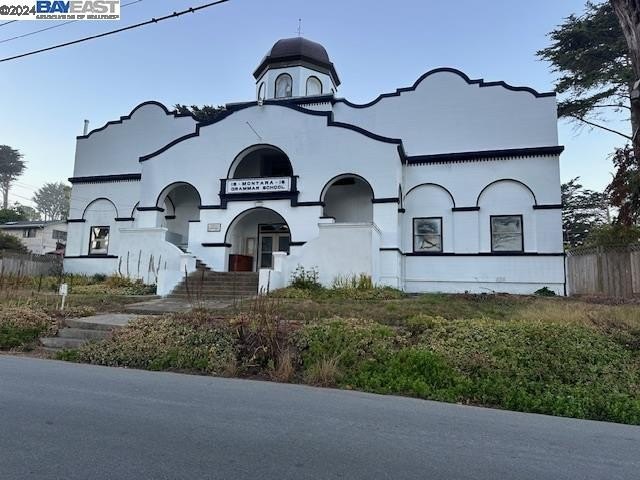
29	265
610	271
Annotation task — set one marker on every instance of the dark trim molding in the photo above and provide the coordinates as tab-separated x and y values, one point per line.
95	200
170	217
465	209
385	200
401	210
309	204
535	200
220	244
76	220
296	244
194	221
483	155
555	206
461	74
231	109
125	177
209	207
391	249
484	254
128	117
124	219
91	256
150	209
428	184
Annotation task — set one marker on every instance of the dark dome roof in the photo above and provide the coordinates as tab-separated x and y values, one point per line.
288	51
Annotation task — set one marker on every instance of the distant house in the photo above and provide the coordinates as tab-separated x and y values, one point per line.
39	236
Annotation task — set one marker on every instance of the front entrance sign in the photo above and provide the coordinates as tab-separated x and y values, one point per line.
258	185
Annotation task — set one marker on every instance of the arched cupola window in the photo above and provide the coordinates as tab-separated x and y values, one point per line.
284	86
314	86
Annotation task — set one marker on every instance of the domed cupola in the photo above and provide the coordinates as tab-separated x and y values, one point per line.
295	67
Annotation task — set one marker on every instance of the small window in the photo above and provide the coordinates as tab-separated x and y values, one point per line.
284	86
314	86
99	243
29	233
427	234
261	91
506	233
59	235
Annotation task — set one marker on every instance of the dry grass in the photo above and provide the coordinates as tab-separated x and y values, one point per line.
576	312
324	373
285	369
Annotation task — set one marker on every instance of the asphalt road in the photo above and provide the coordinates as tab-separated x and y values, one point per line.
65	421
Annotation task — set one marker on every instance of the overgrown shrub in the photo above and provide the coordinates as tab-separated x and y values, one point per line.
545	292
262	338
305	279
20	327
355	282
165	343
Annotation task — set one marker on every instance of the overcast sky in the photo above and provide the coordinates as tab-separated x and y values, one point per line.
208	58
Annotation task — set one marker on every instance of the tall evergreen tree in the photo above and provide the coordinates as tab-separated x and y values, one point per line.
11	167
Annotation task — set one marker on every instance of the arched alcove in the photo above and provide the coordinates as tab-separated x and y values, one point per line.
348	199
261	161
507	220
428	219
181	202
253	236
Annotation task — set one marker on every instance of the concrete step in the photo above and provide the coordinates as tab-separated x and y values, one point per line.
215	281
213	288
107	321
83	333
212	296
60	343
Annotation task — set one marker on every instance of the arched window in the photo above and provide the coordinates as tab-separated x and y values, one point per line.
314	86
284	86
261	91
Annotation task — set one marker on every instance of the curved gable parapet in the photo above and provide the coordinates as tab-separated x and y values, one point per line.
124	118
231	109
480	82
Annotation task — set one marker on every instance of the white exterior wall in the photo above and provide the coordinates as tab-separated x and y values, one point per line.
445	114
442	114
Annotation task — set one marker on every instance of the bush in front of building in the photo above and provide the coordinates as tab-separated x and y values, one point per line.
20	327
172	342
12	244
550	356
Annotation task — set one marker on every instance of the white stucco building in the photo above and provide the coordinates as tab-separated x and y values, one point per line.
451	184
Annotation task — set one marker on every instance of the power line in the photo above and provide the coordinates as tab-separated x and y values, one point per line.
7	23
28	34
119	30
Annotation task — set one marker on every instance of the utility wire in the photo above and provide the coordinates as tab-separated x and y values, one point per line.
28	34
119	30
7	23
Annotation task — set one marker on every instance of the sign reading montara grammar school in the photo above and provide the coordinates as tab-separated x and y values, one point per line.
273	184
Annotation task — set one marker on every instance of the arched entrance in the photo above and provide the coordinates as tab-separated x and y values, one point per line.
261	161
254	235
348	199
181	202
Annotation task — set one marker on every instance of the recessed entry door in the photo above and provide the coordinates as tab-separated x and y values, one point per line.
272	238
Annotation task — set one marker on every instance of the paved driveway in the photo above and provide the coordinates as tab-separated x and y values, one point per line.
67	421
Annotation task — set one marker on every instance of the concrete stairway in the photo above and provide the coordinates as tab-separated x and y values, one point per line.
205	284
78	331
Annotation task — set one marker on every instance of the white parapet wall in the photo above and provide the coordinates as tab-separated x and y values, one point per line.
340	250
